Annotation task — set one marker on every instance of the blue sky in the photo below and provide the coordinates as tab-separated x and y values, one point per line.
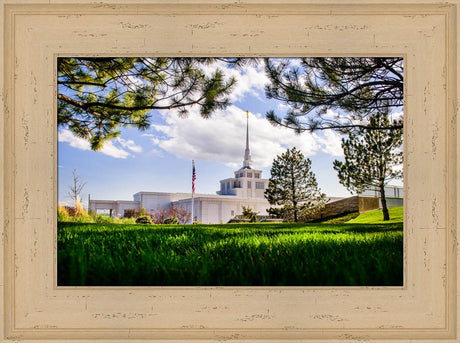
159	159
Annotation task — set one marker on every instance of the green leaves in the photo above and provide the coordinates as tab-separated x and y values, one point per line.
249	213
293	187
356	85
373	156
97	96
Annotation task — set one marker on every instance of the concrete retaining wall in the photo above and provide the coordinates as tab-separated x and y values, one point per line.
354	204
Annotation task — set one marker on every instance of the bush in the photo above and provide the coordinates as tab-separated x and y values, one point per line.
143	212
144	220
63	215
161	214
171	220
130	213
100	219
249	213
71	211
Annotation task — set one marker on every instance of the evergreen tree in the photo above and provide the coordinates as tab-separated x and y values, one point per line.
357	86
372	158
293	187
96	95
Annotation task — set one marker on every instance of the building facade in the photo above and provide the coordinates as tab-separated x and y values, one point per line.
394	195
245	188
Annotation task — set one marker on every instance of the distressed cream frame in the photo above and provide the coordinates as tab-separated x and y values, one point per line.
35	32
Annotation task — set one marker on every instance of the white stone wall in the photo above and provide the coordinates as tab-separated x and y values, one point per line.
152	200
118	207
220	209
122	206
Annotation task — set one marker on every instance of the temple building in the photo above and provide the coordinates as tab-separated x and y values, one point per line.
245	188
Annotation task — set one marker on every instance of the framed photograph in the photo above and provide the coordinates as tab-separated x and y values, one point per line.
38	36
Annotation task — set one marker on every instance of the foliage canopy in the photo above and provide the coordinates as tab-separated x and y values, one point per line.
293	187
98	95
356	85
372	158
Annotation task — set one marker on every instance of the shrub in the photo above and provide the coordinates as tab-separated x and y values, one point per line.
143	212
130	213
100	219
171	220
250	214
161	214
63	215
144	220
71	211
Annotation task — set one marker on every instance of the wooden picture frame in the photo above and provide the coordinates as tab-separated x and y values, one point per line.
36	32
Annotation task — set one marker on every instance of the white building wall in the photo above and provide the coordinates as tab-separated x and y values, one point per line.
152	200
220	209
116	207
211	212
390	192
239	185
196	211
122	206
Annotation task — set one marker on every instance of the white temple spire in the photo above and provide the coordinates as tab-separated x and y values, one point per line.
247	163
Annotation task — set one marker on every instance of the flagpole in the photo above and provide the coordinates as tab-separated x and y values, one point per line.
193	189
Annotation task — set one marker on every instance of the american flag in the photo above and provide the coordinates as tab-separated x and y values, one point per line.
193	177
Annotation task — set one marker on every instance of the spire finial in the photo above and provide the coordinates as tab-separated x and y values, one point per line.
247	163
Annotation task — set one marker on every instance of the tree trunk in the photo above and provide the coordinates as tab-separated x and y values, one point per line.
386	215
295	211
294	197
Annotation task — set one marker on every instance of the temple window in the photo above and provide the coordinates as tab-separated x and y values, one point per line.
260	185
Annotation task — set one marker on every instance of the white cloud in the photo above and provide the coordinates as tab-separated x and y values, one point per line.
155	152
283	107
108	148
396	115
331	142
74	141
223	137
129	144
251	79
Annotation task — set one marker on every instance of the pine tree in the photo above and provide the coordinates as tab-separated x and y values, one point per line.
372	158
97	96
293	187
357	86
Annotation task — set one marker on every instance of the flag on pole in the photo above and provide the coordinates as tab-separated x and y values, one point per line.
193	176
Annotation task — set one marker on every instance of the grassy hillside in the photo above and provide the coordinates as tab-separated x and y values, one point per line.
376	217
230	254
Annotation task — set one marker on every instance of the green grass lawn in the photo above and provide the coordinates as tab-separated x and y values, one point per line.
375	217
276	254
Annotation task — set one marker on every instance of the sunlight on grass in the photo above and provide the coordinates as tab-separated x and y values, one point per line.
278	254
374	217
